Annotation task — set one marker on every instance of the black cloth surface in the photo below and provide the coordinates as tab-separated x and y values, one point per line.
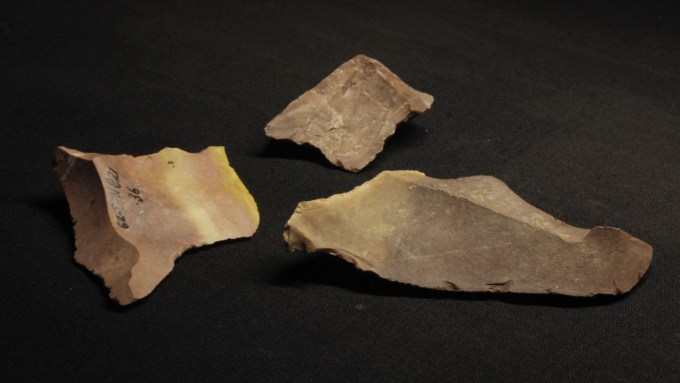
575	105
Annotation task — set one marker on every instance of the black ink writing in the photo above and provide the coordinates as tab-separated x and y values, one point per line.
115	184
134	193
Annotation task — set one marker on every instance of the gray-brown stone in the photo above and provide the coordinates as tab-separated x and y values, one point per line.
467	234
350	113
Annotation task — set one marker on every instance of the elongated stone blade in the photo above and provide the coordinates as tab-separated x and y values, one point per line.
467	234
135	215
350	113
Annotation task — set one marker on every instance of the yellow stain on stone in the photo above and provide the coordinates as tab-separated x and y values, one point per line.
233	184
184	171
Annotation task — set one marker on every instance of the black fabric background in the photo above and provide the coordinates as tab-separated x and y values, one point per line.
576	105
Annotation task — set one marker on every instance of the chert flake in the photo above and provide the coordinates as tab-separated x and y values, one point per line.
468	234
135	215
350	113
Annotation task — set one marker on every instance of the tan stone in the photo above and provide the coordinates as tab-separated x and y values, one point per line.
350	113
135	215
468	234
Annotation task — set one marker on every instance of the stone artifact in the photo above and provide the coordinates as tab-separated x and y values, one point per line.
350	113
467	234
135	215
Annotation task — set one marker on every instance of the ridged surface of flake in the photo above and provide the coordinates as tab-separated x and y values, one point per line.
350	113
467	234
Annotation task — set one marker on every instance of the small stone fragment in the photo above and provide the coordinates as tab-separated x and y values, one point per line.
465	234
135	215
350	113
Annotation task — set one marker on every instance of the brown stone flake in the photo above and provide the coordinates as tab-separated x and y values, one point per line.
350	113
135	215
467	234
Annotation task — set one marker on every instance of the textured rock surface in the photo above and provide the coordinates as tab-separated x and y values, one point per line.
135	215
468	234
350	113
